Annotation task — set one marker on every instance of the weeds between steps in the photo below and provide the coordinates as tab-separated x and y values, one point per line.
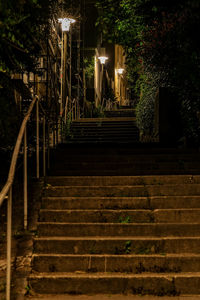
125	250
125	220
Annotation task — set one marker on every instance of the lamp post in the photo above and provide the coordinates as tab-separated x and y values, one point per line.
65	25
103	60
119	72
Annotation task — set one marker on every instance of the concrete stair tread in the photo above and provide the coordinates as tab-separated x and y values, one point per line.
102	210
115	224
114	238
123	210
166	255
138	179
94	198
111	275
109	296
120	198
117	263
122	186
117	119
120	216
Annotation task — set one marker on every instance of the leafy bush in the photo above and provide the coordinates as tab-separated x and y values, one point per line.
145	110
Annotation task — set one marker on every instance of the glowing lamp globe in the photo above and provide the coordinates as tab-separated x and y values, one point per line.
102	59
65	23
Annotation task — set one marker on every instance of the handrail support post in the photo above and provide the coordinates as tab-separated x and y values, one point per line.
9	243
44	146
37	142
25	181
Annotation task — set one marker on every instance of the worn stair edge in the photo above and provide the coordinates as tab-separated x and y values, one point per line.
152	284
121	202
124	191
121	216
137	264
123	180
116	229
116	245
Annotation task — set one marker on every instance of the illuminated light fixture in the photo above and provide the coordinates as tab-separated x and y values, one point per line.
65	23
120	71
102	59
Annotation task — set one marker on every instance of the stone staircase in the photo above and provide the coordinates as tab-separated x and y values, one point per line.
118	219
104	130
111	234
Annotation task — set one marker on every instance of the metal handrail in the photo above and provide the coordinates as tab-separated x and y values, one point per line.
6	192
11	173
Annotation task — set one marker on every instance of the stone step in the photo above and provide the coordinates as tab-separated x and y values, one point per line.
123	191
75	170
116	245
146	149
135	264
104	126
162	202
90	121
127	158
116	229
108	123
101	283
114	297
105	129
104	142
123	180
103	135
121	216
128	166
103	138
96	216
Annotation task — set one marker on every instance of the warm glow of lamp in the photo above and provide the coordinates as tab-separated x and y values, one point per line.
65	23
102	59
120	71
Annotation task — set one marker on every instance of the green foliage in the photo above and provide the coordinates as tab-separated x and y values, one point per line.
67	127
24	24
145	109
89	67
162	46
24	28
98	112
127	248
110	95
124	220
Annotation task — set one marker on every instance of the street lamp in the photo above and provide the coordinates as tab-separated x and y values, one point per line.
119	71
102	61
65	25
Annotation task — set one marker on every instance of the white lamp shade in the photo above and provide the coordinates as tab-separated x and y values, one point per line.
103	59
120	71
65	23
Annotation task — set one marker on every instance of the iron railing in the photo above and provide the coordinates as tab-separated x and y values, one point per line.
6	192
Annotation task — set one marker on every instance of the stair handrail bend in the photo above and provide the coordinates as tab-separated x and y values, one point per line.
11	174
